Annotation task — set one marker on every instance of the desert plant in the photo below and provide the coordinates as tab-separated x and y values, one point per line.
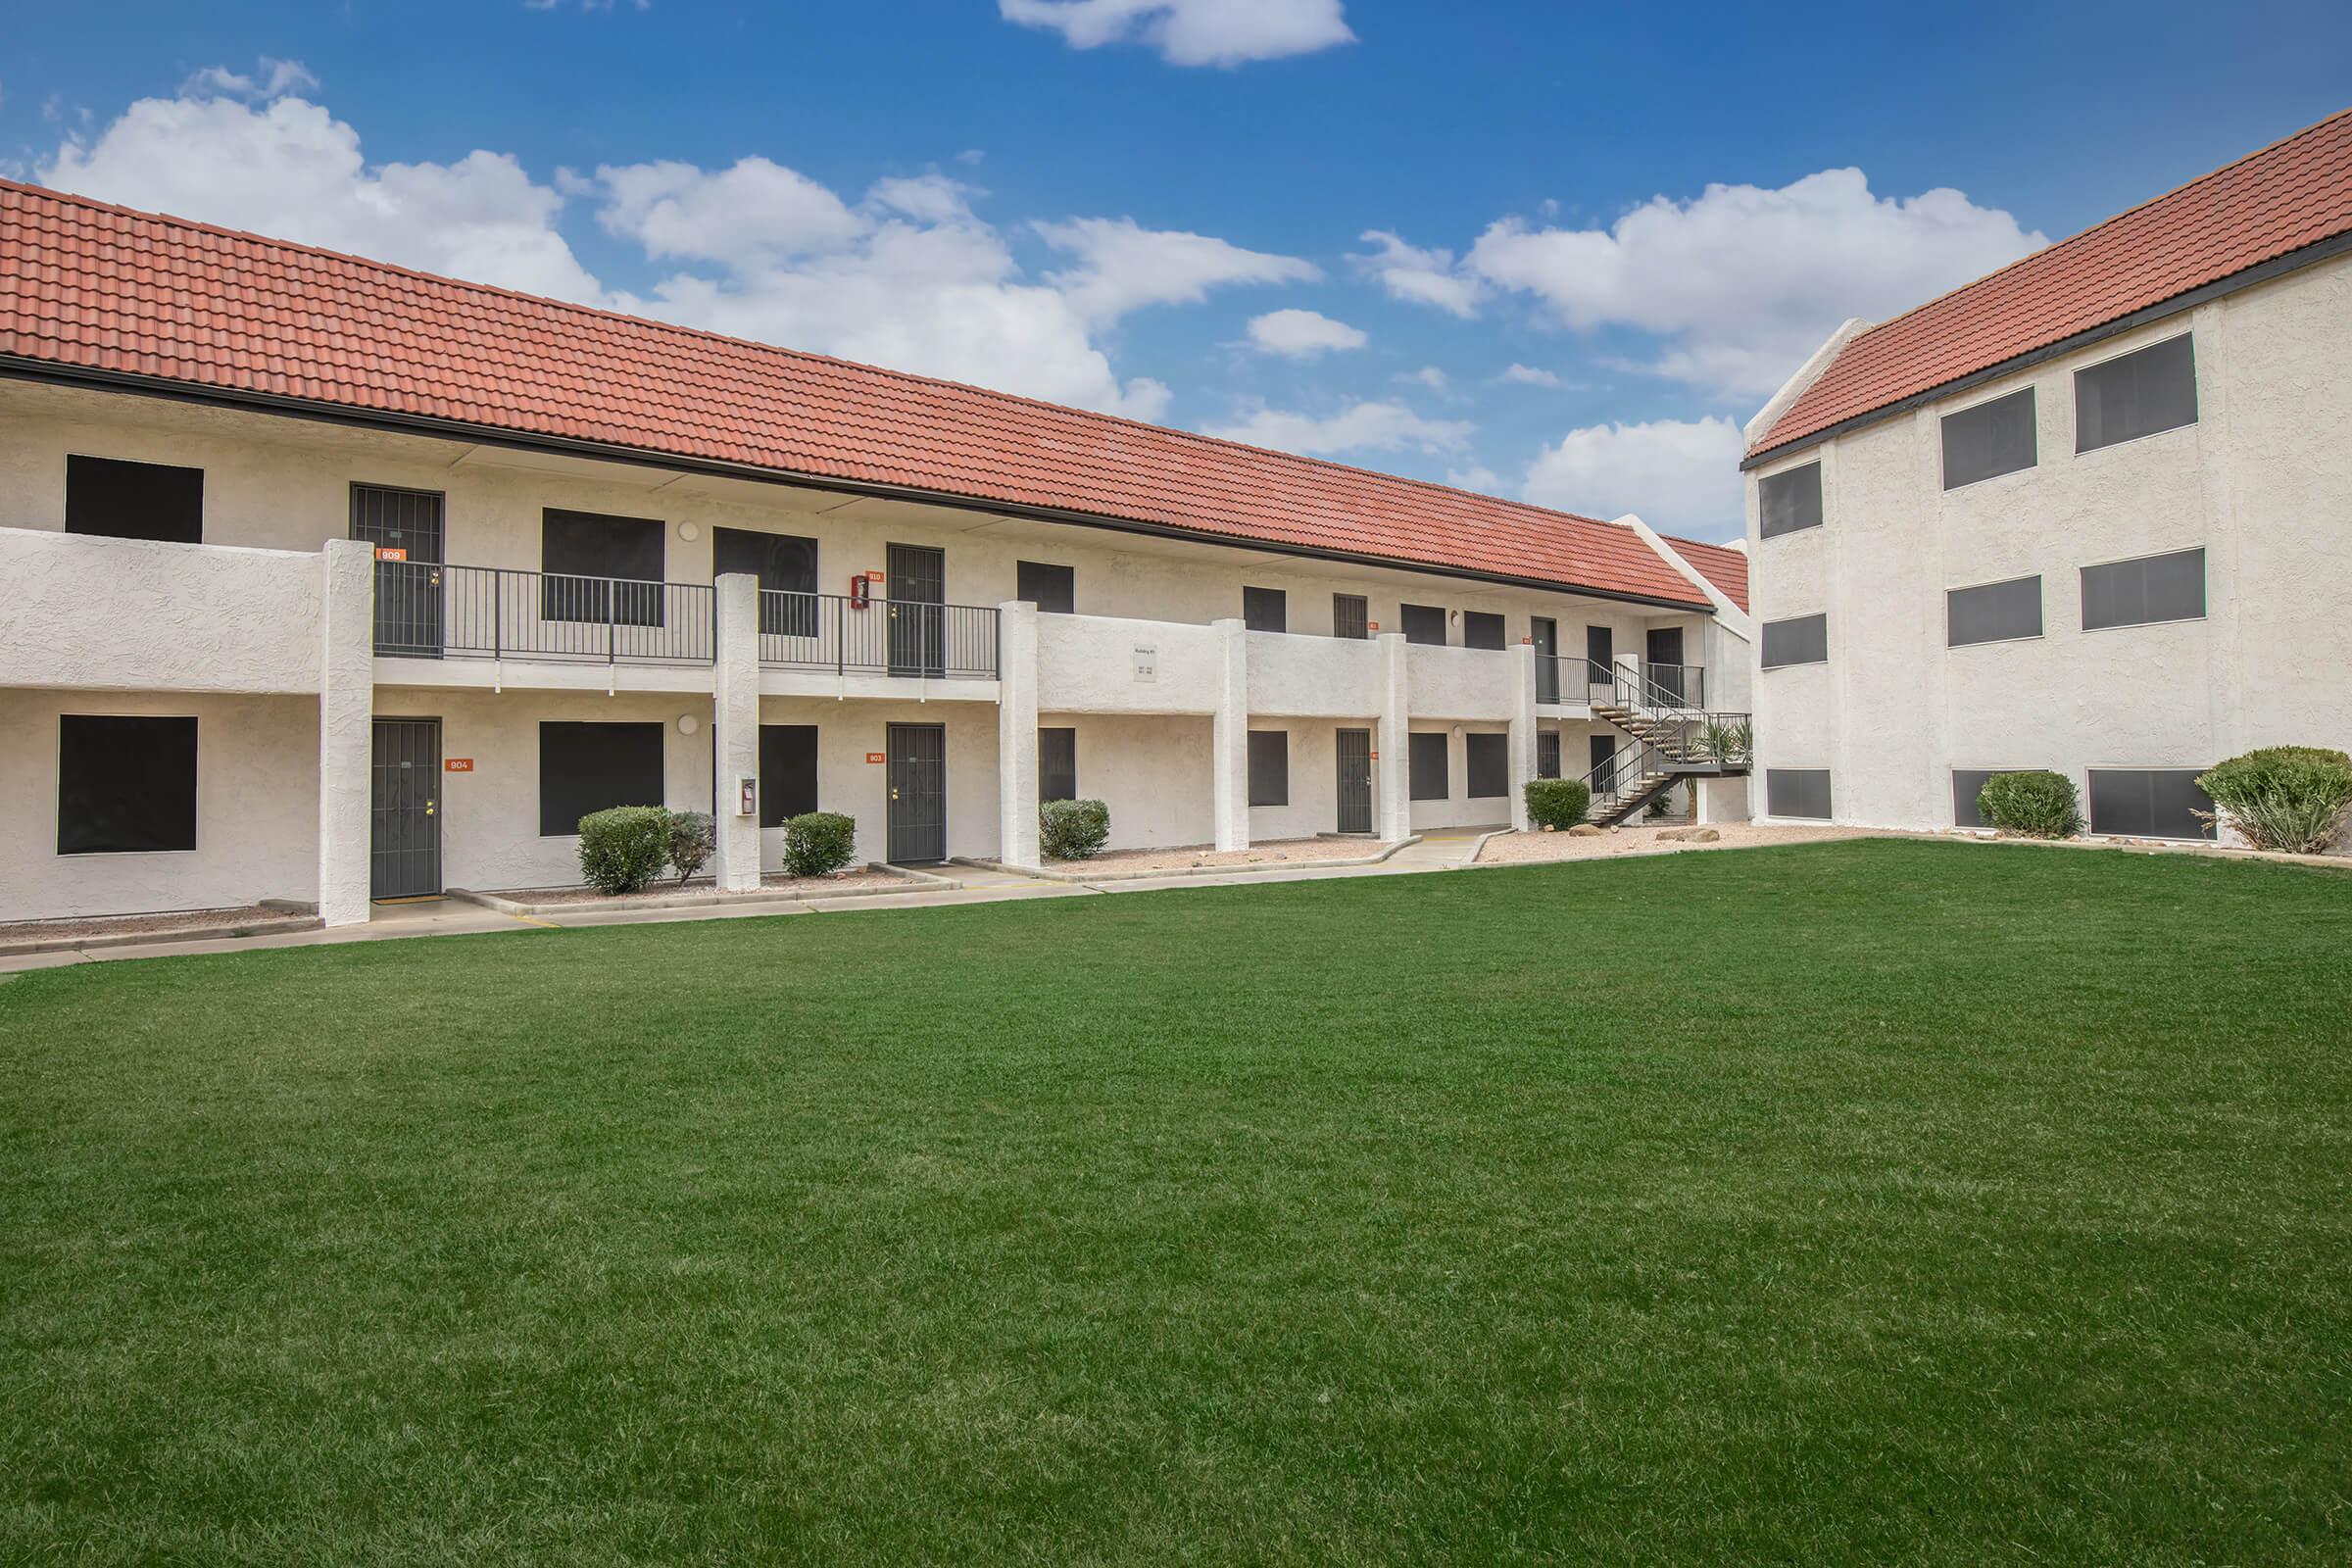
818	842
2291	798
2033	805
1727	740
693	837
1660	804
624	848
1072	830
1556	803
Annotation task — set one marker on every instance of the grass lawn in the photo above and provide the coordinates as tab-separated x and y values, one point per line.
1865	1202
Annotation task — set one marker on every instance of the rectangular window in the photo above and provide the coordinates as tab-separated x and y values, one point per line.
1992	613
2143	592
1266	608
1482	629
1057	764
1788	502
2137	394
588	545
1426	766
1053	589
1797	792
1989	440
785	565
1424	623
2148	803
1269	768
118	500
787	772
1966	784
1489	763
1350	616
1801	640
124	786
587	768
1548	753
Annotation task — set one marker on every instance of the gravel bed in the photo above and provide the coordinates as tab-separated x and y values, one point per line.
1530	847
132	925
1274	852
865	879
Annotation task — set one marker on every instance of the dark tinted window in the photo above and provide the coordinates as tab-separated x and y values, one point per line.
592	544
1269	768
1790	500
1548	753
1057	763
1052	589
1803	640
2137	394
1489	763
124	785
1266	608
121	500
1480	629
784	563
1991	439
1994	611
1427	766
787	772
1350	616
587	768
1797	792
2153	588
2148	804
1424	623
1966	784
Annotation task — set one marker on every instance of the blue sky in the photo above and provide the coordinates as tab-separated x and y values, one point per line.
1176	207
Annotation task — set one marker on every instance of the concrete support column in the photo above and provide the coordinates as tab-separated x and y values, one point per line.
1523	731
1392	775
1016	734
1629	675
1720	800
1229	736
735	731
346	730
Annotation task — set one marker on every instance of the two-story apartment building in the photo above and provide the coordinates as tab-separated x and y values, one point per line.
2091	513
330	580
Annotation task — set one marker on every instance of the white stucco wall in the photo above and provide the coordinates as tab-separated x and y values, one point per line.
2262	482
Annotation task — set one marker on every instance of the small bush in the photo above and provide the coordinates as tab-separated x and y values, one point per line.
1557	802
1072	830
818	842
2033	804
624	848
693	837
2291	797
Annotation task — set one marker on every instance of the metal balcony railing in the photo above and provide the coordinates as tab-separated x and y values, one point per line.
877	636
1588	682
424	610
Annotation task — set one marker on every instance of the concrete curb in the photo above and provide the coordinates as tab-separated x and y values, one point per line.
918	882
194	933
1082	880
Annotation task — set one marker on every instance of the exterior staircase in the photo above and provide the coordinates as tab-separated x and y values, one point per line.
1672	741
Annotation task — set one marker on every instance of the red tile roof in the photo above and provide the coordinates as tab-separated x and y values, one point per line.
2289	195
1720	564
95	287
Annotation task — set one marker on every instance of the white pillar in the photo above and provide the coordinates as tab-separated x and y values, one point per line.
347	730
1523	730
1629	676
1393	774
1229	736
1016	734
735	731
1720	800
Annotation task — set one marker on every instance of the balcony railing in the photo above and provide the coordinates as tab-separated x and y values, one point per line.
1587	681
877	636
428	611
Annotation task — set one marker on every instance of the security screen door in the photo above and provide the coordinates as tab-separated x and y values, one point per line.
408	588
1355	781
405	825
918	585
918	793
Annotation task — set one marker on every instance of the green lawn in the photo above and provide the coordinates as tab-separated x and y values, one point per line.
1867	1202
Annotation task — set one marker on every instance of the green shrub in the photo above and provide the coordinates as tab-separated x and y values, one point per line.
2033	804
1072	830
624	848
1727	740
2291	797
1557	802
693	837
818	842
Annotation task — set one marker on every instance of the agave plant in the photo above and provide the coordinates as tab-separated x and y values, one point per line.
1727	740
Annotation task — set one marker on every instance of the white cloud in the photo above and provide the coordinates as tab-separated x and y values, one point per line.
1478	477
1419	276
1742	283
1123	266
1680	475
1528	376
1429	375
1301	334
752	214
1360	428
277	78
1191	32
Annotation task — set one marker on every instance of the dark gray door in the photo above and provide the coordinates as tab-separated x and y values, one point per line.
1600	658
917	581
1604	751
1355	781
1548	753
918	793
404	841
1665	655
1546	634
408	589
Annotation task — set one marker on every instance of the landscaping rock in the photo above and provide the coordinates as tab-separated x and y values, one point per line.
1585	830
1701	835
